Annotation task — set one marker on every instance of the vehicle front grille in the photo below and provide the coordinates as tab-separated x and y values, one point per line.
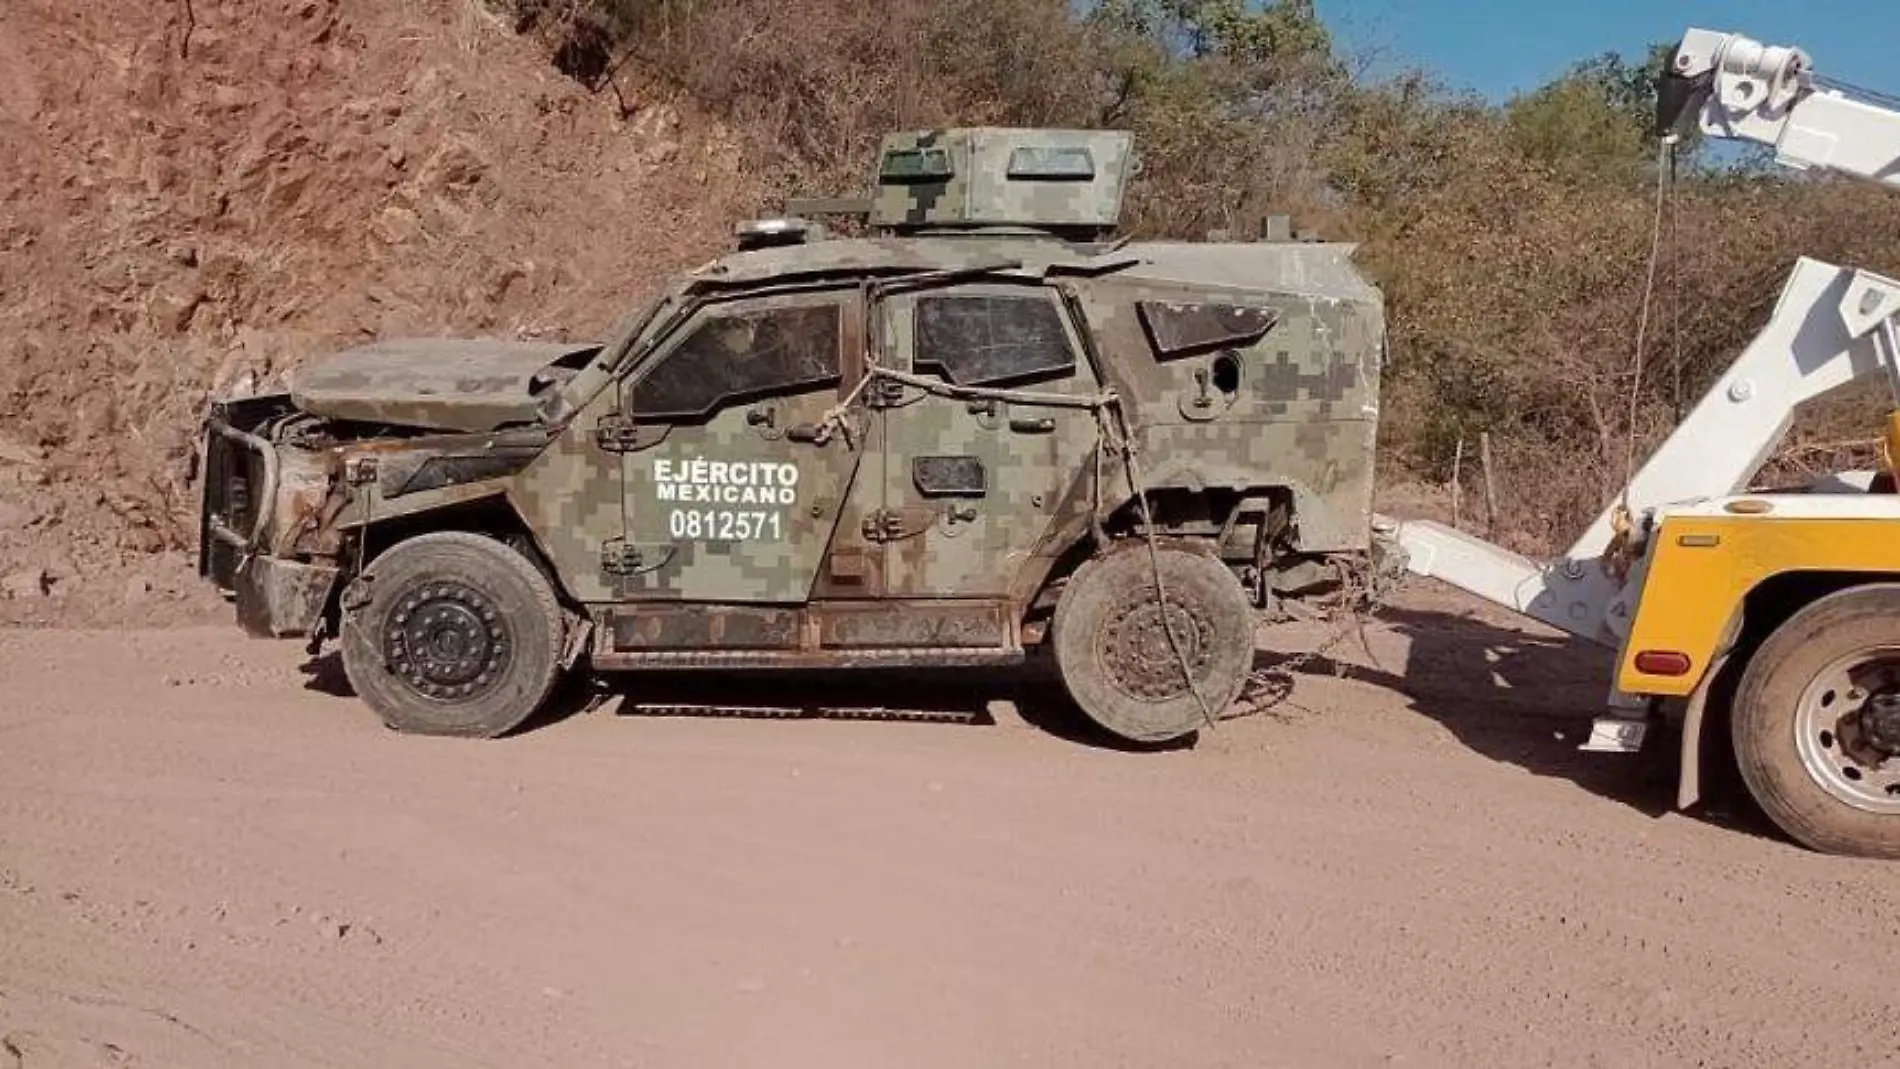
237	478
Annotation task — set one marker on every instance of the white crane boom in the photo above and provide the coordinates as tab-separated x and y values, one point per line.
1737	88
1831	326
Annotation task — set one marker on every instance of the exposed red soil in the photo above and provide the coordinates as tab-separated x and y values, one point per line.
187	203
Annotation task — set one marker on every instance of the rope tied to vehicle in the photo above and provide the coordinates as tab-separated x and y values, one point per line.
1125	444
1618	555
1111	435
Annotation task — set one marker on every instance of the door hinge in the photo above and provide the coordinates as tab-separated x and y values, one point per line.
618	557
621	559
881	392
889	525
881	525
615	433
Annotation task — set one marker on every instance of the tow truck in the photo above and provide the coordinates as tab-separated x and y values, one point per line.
1771	619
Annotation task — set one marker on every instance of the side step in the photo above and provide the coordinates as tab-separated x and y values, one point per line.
1615	734
614	660
821	635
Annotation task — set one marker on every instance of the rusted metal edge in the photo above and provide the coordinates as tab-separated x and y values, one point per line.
951	657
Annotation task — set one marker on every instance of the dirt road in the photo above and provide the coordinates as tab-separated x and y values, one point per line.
207	860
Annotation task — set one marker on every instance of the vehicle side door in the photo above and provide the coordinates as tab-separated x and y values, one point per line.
733	480
971	487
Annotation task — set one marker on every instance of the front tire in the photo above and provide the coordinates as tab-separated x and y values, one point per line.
1114	652
1814	724
461	636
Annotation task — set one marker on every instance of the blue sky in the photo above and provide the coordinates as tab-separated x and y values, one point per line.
1498	47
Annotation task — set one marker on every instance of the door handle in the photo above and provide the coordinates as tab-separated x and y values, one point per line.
1038	425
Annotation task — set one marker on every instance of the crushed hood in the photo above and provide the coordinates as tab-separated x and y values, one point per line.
445	384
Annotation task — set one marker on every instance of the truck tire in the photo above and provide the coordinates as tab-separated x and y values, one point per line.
1115	656
1815	722
461	636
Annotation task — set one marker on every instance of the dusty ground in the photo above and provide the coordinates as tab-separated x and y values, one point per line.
208	859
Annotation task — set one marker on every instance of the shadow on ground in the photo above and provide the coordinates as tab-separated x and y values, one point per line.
979	697
1507	695
1523	700
323	674
970	697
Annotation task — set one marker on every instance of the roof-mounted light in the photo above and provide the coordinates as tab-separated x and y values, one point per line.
765	233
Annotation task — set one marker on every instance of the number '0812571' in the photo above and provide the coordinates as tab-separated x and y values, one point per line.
721	525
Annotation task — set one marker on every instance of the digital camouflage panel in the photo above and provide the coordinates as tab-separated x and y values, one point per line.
1003	178
886	449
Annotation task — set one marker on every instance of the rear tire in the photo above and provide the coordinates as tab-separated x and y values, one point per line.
1796	728
461	636
1116	659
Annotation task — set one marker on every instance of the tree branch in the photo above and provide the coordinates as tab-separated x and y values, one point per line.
191	23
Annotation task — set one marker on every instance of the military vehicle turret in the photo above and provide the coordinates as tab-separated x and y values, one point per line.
982	425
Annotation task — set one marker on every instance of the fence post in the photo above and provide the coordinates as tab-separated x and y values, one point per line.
1490	485
1457	494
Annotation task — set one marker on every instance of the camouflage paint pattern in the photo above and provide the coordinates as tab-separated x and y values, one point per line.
1245	367
987	176
571	500
733	511
1303	413
975	545
732	507
440	383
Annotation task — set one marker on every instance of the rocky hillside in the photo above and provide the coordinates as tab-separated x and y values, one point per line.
196	192
200	191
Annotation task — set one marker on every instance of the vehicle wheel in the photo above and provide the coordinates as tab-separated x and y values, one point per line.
1816	724
1114	652
461	636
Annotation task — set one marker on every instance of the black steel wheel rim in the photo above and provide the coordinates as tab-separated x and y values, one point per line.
1139	657
447	641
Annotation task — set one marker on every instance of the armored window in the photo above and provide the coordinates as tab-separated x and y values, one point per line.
1179	328
1051	163
730	357
915	165
985	339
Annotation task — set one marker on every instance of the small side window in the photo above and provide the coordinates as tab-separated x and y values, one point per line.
978	339
1179	328
733	356
916	165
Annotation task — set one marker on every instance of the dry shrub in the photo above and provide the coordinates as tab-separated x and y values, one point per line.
1515	293
1227	138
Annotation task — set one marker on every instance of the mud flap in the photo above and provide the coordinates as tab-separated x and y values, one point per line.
1689	775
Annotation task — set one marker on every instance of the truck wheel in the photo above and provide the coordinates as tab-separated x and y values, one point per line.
1114	652
1816	724
461	636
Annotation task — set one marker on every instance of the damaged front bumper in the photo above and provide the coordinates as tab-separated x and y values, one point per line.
282	598
276	597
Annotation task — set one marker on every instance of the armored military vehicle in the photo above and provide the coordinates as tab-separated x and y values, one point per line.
982	426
